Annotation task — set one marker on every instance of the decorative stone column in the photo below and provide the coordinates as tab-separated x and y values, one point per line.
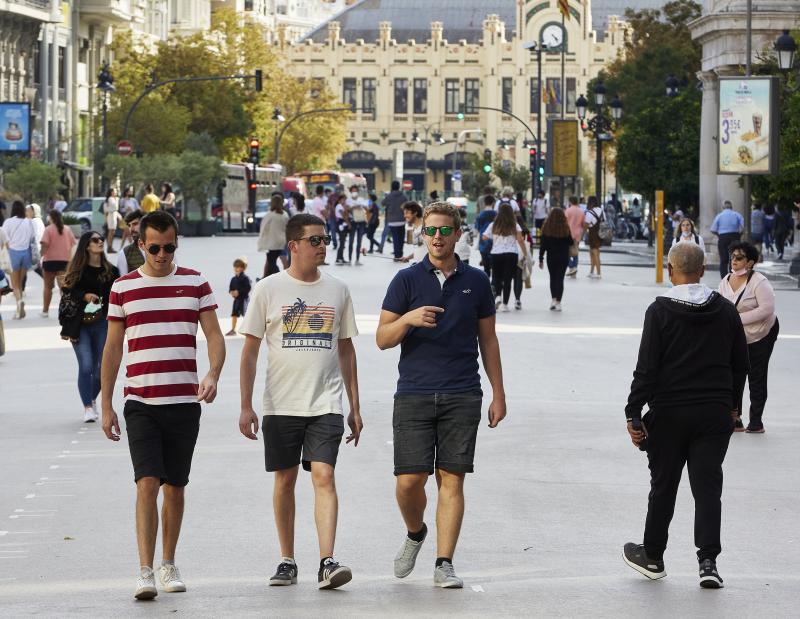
709	204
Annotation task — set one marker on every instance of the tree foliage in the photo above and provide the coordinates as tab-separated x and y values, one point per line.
518	177
34	181
658	143
229	111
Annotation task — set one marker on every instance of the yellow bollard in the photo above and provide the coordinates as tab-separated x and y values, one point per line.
659	236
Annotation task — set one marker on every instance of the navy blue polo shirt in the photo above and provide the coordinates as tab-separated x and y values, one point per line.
443	359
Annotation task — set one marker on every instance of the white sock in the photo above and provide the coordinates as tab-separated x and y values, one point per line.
165	562
288	560
145	570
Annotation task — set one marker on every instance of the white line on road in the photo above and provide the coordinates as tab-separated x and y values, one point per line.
30	496
478	589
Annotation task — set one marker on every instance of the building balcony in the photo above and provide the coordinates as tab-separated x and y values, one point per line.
33	9
115	11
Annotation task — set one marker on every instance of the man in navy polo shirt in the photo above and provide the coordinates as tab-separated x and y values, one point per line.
440	311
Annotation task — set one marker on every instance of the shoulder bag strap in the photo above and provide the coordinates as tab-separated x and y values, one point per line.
744	288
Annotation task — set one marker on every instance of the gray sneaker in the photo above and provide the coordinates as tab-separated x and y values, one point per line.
406	557
445	576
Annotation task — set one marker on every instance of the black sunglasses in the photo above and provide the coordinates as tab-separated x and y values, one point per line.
97	239
316	239
169	248
443	230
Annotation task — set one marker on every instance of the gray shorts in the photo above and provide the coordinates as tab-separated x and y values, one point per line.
436	431
286	437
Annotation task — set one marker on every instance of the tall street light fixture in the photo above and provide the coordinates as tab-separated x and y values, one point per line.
438	138
672	86
786	50
601	126
105	82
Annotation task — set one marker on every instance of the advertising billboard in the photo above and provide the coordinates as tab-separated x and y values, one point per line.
15	127
563	144
748	125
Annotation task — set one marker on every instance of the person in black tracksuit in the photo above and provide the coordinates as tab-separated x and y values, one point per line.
555	241
691	372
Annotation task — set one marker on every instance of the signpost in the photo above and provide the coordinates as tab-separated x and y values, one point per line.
659	219
124	148
408	185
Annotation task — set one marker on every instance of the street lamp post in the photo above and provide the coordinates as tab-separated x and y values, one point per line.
439	139
105	82
601	126
534	47
786	50
461	137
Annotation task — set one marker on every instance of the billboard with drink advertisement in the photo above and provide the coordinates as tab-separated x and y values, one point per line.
15	127
748	125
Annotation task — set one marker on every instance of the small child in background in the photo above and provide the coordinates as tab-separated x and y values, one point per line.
239	289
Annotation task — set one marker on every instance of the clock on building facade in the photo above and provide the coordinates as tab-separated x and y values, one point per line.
553	37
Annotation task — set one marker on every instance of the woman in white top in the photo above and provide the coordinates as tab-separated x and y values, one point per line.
412	211
687	232
507	246
754	298
111	210
21	235
272	236
127	204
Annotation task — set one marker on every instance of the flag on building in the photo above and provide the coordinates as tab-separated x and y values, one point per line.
563	6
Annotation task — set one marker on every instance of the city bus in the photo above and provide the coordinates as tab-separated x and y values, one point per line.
231	204
331	179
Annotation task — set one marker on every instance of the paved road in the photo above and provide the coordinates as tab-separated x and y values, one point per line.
557	490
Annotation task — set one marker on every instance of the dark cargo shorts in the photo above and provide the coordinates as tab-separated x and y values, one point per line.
161	439
435	431
287	436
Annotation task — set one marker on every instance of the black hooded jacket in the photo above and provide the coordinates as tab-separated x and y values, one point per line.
690	354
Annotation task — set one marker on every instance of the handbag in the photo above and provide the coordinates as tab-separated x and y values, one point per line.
5	259
36	255
573	249
605	231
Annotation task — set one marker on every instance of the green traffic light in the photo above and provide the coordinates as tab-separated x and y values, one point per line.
487	168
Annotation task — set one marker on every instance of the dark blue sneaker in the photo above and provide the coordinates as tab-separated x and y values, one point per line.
709	577
636	557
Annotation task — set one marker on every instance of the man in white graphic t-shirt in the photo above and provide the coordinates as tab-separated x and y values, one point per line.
307	319
157	307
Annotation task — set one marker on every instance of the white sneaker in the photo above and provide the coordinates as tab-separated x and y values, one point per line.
406	557
558	306
170	577
553	304
445	576
44	314
89	415
94	409
146	585
504	307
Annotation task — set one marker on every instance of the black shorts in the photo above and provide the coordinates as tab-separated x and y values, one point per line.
54	266
161	440
538	222
435	431
286	436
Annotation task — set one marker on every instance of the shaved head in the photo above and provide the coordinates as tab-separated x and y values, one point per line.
686	258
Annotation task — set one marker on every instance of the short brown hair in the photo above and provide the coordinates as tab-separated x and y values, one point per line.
442	208
414	207
158	220
297	224
240	262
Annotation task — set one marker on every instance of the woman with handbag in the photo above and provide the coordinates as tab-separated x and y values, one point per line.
82	314
21	240
753	296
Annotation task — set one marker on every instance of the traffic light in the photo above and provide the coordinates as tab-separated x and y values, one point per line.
460	114
534	159
255	144
542	162
258	80
487	163
251	186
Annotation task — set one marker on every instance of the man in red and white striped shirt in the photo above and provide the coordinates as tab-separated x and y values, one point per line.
158	307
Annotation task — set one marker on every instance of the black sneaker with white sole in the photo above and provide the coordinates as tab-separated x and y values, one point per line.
709	577
636	557
286	574
332	575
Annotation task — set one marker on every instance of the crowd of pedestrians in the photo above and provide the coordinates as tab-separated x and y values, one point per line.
698	349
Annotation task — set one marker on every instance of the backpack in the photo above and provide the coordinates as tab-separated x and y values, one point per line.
483	221
605	230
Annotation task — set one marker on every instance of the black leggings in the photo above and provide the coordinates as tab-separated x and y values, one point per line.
759	353
557	267
272	262
503	267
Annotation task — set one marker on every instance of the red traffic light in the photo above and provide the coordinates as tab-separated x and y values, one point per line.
532	152
251	185
254	143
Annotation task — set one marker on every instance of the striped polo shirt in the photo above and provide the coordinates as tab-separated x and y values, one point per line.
160	316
